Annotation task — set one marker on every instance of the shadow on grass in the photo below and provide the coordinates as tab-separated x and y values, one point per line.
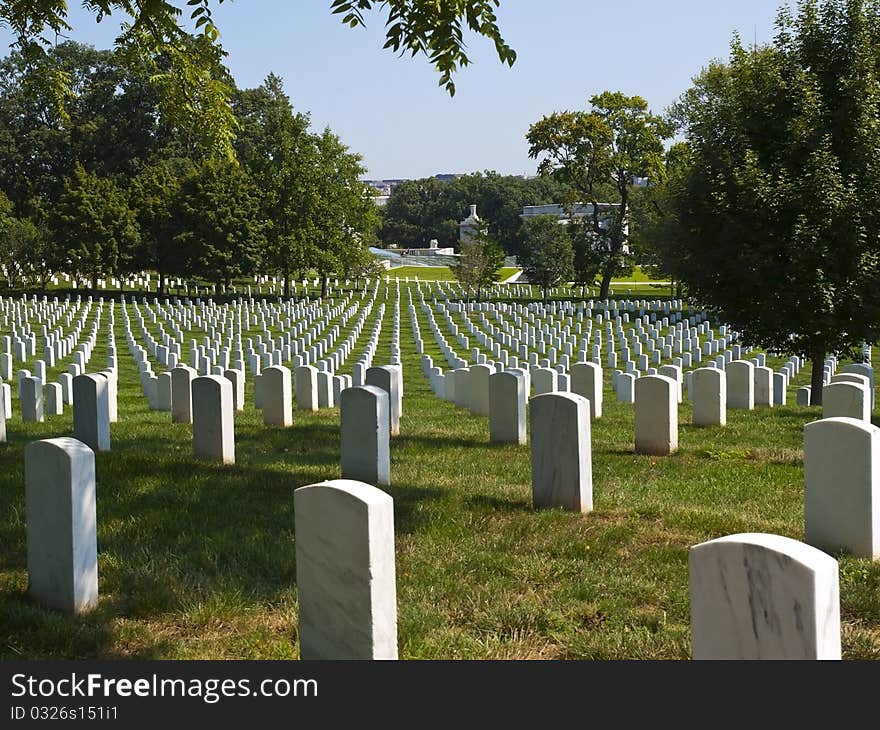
176	535
440	441
501	505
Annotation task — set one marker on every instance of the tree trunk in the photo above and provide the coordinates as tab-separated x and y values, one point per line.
606	280
287	285
324	282
816	375
94	282
161	282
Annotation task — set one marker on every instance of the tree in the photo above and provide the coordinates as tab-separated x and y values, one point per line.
189	86
345	217
111	125
419	210
275	145
218	214
780	209
548	258
361	264
93	226
587	252
17	237
617	140
153	193
480	260
657	229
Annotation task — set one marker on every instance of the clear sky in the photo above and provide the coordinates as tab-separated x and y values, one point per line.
391	110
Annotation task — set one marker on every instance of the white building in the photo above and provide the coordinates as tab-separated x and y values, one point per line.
578	210
469	225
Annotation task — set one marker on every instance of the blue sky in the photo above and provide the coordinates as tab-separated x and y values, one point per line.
392	111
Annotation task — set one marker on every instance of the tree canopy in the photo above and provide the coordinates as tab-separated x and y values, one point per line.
480	261
548	259
598	152
184	68
420	210
781	214
113	188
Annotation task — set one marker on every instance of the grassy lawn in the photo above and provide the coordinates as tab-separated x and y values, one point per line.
638	275
198	561
424	273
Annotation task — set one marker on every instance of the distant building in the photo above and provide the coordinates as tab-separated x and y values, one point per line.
578	210
470	225
385	187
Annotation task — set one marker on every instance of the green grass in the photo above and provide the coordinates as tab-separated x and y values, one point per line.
198	560
638	275
424	273
437	273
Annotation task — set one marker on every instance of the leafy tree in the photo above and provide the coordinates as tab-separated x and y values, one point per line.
153	194
275	145
93	226
419	210
617	140
345	217
781	212
480	261
192	93
587	252
111	125
361	264
657	228
17	237
218	215
548	258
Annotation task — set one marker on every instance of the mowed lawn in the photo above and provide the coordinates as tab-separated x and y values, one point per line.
198	561
423	273
437	273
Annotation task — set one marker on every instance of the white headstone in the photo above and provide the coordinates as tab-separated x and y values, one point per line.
759	596
365	426
763	386
478	385
277	398
709	395
656	415
562	471
181	394
387	377
236	377
345	572
586	380
741	385
213	425
307	388
846	400
62	546
507	407
842	486
31	391
54	403
91	411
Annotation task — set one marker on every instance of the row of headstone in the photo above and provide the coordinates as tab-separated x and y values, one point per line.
753	596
